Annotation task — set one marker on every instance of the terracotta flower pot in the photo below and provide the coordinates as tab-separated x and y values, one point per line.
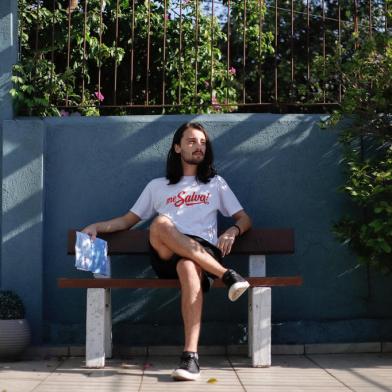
14	338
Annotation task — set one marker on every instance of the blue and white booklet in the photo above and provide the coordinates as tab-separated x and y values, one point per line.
92	255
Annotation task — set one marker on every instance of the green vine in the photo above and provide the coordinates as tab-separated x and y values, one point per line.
48	82
366	118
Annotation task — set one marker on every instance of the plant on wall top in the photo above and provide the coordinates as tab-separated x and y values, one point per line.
160	55
366	118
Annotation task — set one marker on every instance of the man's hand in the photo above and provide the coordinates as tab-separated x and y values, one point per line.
91	230
226	240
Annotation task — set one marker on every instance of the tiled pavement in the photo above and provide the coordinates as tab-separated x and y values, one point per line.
288	373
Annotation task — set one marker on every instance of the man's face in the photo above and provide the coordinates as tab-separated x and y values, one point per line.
192	146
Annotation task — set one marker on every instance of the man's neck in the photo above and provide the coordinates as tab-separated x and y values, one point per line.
189	170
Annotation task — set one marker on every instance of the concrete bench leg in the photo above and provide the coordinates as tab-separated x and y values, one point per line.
95	328
108	323
260	326
259	316
250	322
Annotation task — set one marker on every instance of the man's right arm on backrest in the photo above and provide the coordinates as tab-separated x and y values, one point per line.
123	222
116	224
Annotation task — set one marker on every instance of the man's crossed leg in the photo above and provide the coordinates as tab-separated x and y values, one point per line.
168	241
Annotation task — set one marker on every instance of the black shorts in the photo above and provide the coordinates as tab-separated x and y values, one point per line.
167	269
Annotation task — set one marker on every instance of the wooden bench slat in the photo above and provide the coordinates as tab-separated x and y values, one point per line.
253	242
169	283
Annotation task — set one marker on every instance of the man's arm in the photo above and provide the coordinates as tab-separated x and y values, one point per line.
243	221
242	224
121	223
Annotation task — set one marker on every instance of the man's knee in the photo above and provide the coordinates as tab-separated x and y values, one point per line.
188	270
159	224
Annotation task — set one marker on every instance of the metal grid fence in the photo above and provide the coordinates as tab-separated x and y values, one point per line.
167	56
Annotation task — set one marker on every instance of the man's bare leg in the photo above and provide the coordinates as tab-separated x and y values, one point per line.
190	274
166	240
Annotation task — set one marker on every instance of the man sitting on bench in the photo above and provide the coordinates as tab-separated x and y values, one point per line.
183	237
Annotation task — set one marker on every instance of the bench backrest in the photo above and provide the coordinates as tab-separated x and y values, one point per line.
253	242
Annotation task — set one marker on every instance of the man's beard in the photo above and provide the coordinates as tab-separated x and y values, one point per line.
193	161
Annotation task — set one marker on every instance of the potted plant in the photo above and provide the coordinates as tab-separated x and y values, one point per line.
14	328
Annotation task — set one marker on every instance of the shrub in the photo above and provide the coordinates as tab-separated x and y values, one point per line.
11	306
367	150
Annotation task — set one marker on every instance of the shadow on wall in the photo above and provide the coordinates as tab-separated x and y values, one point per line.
284	170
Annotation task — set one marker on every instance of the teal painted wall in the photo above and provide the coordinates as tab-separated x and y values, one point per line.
8	57
63	173
8	54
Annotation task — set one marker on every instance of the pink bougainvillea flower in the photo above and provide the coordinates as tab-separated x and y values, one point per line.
99	96
232	71
64	113
167	16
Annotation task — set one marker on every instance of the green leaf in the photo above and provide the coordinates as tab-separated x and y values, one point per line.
385	247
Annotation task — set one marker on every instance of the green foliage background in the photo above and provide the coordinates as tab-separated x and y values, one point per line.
209	71
366	117
45	82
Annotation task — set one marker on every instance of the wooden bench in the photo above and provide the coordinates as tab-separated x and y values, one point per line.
256	244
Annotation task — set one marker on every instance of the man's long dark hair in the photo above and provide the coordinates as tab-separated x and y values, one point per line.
205	169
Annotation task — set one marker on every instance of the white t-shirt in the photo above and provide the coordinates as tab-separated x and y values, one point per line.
191	205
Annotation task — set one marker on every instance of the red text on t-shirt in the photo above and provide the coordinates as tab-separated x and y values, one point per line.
188	199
